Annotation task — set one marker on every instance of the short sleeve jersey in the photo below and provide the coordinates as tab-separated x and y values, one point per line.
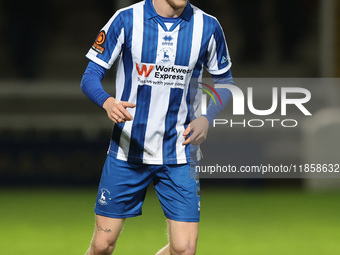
155	65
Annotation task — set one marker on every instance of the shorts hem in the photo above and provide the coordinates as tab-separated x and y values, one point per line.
182	219
116	216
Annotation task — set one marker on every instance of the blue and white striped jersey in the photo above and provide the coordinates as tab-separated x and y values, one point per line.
156	63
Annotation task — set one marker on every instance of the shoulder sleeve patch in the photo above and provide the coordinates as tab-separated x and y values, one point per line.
97	46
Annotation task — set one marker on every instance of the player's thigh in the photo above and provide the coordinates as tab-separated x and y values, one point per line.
107	230
122	189
182	235
178	190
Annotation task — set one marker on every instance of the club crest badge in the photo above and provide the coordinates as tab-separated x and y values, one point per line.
103	196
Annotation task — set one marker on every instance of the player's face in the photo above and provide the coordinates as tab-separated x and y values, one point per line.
177	4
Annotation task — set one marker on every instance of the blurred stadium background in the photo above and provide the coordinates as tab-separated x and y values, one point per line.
53	140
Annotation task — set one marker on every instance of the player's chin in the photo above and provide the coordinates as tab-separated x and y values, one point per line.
178	4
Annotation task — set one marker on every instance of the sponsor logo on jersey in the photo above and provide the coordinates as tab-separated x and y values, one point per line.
224	60
97	46
144	71
167	40
162	75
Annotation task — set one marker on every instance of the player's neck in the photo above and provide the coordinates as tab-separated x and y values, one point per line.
164	9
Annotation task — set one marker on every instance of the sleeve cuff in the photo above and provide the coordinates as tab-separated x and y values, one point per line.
221	71
91	56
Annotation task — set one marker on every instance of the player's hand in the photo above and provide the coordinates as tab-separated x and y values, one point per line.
116	110
198	130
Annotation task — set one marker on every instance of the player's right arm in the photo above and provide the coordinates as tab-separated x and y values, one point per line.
116	110
93	89
103	53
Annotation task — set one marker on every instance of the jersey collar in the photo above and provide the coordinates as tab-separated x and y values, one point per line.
150	12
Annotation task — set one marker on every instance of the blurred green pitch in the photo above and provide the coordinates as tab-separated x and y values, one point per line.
60	221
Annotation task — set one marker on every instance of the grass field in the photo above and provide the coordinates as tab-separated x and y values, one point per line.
60	222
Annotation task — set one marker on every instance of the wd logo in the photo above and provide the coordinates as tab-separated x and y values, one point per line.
144	71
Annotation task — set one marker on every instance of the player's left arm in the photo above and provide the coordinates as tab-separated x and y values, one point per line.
197	131
218	63
213	109
198	128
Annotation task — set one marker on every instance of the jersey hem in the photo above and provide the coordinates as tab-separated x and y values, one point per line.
148	161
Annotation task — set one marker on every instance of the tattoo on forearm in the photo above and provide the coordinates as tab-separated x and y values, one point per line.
106	230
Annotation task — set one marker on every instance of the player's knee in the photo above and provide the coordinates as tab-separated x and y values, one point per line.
183	248
102	247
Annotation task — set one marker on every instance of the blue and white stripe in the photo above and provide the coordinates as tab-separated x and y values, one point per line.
137	35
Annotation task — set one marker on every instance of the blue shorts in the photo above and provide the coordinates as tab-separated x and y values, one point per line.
123	187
